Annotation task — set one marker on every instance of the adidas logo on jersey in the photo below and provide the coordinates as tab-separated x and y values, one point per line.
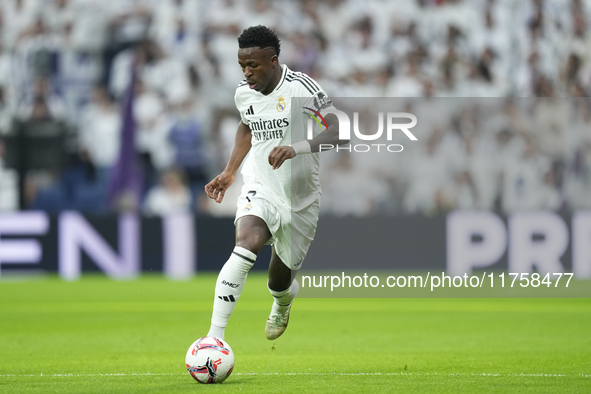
250	111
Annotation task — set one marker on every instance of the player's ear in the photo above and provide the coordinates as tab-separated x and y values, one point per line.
274	60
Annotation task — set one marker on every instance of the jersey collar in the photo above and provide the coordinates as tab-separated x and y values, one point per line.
283	75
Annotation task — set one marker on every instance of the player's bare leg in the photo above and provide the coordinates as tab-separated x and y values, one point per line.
251	235
284	289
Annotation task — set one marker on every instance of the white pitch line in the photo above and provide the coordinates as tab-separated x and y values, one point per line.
67	375
543	375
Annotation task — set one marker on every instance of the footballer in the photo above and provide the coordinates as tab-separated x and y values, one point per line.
279	203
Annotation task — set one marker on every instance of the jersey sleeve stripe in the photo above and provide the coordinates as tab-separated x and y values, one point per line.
306	84
313	84
307	78
302	82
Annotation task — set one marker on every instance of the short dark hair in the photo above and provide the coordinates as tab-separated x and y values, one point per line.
259	36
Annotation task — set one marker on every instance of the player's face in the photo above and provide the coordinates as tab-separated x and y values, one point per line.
257	65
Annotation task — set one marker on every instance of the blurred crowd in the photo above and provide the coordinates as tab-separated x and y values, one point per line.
502	154
65	66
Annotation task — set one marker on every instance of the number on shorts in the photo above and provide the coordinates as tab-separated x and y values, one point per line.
253	192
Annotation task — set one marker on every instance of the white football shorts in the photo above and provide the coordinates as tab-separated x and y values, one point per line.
291	232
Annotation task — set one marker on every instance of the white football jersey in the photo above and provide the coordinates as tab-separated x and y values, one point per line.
270	119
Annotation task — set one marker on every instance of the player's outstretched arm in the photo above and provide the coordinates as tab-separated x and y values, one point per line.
329	136
216	189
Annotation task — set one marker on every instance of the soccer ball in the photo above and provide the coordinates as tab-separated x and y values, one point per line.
210	360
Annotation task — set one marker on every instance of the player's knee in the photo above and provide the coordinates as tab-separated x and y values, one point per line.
250	242
252	234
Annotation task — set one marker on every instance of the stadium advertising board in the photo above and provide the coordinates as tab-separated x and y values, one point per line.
121	247
459	243
461	254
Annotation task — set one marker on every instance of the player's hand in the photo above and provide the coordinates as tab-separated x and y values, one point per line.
217	188
279	154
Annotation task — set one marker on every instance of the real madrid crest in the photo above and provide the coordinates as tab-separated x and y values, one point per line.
281	104
247	208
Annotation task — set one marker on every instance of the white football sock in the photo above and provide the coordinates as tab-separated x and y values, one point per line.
284	298
228	287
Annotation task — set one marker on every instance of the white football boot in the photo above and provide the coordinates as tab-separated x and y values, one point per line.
276	324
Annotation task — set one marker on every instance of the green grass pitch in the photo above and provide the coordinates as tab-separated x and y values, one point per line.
101	336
